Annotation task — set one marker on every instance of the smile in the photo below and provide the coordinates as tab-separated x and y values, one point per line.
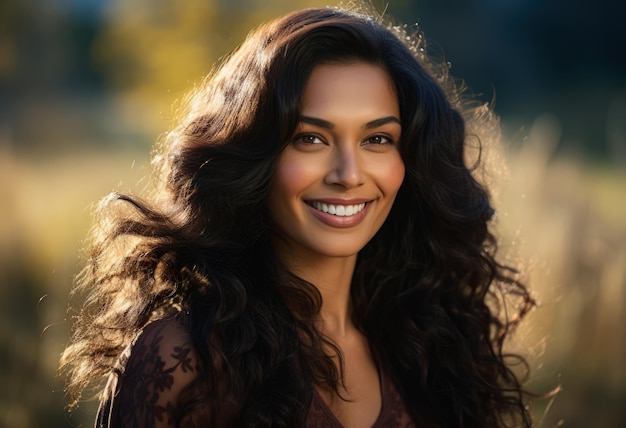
338	210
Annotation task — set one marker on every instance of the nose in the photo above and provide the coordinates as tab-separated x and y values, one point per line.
345	169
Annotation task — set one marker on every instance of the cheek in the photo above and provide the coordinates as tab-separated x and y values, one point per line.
291	176
391	176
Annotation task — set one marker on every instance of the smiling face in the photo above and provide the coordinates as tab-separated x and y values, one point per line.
337	178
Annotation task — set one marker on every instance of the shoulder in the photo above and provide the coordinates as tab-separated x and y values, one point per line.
151	373
164	351
164	345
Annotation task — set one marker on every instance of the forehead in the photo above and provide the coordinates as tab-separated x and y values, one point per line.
333	87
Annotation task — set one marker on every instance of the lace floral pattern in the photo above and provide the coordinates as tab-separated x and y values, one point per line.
152	380
142	391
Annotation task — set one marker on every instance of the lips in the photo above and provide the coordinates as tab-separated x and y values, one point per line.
340	214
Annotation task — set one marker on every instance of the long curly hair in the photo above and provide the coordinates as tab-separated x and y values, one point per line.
428	291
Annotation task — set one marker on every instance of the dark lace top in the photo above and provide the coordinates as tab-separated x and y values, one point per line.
142	390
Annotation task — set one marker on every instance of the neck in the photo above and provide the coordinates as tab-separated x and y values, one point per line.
335	318
332	276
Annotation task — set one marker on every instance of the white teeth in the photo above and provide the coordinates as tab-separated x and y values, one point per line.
338	210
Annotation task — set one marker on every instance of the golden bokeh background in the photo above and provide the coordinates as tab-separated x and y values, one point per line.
86	88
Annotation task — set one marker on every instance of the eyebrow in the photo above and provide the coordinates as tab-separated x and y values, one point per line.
369	125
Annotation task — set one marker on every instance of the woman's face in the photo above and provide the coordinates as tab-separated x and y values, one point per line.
336	180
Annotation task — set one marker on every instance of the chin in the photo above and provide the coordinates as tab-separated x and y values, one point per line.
341	250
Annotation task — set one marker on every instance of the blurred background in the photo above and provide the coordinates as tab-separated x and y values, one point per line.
87	87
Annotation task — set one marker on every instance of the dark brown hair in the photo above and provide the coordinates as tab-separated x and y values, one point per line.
427	289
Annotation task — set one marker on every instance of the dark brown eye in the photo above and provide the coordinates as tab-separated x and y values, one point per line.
308	139
379	139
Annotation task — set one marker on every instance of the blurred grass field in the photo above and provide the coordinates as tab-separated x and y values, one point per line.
565	218
47	202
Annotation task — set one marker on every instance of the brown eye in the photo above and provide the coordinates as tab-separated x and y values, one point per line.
307	139
379	140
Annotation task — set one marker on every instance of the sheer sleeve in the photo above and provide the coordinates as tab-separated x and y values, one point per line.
144	388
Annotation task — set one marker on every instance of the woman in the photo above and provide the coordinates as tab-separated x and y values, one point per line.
317	253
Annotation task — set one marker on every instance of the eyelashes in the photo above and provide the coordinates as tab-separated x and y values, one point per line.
380	139
314	139
311	139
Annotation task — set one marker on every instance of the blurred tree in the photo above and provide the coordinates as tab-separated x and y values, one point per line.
153	51
8	12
